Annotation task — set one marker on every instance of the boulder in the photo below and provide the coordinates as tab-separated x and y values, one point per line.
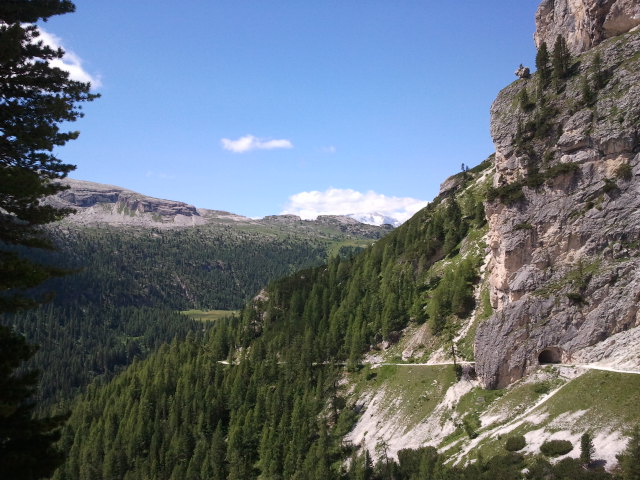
522	72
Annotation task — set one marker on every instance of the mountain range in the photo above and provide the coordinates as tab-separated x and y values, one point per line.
97	203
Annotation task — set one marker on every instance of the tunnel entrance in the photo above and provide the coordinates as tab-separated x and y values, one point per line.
550	355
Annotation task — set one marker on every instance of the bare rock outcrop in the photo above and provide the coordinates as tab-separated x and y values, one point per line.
522	72
100	203
565	242
584	23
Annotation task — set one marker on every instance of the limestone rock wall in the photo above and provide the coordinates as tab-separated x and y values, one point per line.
96	203
565	257
584	23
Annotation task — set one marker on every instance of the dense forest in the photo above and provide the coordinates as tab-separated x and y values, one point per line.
78	343
126	286
184	413
259	395
133	389
204	267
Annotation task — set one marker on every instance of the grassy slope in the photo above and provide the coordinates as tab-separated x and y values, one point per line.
602	402
550	404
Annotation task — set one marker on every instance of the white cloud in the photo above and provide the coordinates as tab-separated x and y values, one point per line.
249	142
369	207
71	62
329	149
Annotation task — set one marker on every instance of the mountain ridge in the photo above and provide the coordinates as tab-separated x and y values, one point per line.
110	204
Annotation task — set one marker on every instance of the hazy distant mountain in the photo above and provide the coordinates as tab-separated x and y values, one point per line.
377	218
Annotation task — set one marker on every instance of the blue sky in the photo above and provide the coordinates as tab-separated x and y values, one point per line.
250	105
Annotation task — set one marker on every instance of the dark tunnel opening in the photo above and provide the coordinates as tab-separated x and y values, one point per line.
550	355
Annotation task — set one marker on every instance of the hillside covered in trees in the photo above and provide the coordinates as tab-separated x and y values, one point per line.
127	285
493	335
270	394
265	387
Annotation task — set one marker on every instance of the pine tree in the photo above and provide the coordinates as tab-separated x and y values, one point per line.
34	99
26	444
599	75
525	102
560	59
586	448
542	65
630	458
588	95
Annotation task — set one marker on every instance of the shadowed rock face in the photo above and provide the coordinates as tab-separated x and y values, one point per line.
584	23
564	265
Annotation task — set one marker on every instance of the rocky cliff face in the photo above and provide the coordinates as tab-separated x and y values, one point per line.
584	23
565	222
99	203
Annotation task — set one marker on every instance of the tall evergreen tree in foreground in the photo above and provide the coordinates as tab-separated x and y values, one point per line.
34	99
630	458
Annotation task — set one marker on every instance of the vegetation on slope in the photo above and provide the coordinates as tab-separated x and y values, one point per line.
81	343
121	302
275	408
205	267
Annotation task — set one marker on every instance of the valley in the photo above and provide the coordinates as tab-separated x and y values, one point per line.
493	335
133	273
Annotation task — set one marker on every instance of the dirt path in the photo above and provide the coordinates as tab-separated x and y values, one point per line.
593	366
434	364
588	366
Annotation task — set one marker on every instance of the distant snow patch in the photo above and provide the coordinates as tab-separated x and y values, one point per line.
369	207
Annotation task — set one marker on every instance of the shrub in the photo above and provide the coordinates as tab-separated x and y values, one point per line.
515	443
508	194
525	102
555	448
575	297
609	186
484	164
523	226
624	172
471	424
542	388
560	169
